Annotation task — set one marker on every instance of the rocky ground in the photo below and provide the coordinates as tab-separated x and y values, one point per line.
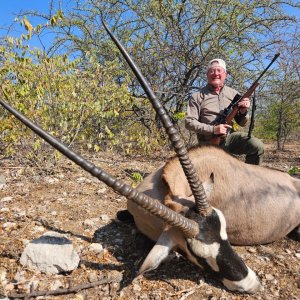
66	199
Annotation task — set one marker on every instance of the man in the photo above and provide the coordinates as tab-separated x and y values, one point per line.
204	107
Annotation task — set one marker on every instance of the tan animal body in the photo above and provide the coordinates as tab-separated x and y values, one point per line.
260	205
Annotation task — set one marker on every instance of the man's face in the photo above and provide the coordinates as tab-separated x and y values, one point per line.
216	75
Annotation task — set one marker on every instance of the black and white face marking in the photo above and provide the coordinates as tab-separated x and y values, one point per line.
212	249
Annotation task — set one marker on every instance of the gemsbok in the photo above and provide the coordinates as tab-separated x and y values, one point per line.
182	205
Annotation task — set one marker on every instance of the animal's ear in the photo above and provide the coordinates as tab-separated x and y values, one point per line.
209	184
165	243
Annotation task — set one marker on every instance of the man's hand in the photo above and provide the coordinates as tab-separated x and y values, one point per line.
244	105
221	129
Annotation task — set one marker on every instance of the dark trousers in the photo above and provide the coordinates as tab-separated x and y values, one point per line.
239	143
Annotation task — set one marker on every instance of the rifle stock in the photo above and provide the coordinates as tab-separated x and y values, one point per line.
235	109
216	140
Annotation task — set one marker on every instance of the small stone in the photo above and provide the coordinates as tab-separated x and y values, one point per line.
9	287
39	229
137	288
9	225
50	180
36	178
96	247
2	179
20	276
6	199
252	250
25	242
81	180
89	223
4	209
266	250
269	277
209	292
92	277
101	191
276	294
104	218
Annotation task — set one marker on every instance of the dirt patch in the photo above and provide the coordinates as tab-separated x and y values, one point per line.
69	200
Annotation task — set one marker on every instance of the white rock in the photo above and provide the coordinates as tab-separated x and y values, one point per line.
90	223
38	229
136	288
101	191
3	187
9	225
51	253
4	209
105	218
57	284
50	180
92	277
2	179
6	199
269	277
96	247
252	250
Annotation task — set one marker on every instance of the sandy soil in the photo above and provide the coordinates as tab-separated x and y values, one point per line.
68	200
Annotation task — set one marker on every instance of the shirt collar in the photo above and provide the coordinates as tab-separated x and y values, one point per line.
215	90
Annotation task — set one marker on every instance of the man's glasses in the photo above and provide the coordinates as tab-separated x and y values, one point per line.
216	71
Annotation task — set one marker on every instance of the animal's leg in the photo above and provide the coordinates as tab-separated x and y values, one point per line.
168	201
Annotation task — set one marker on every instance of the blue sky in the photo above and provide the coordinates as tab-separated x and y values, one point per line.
9	9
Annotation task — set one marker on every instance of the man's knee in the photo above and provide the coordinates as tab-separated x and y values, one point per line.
258	145
256	151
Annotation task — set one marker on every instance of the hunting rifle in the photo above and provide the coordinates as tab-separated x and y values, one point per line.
227	115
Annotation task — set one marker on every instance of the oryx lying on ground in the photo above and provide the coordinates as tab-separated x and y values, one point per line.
260	205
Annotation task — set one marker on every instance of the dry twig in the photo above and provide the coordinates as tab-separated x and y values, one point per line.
75	289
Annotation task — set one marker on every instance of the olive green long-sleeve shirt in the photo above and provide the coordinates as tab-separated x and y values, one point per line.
204	107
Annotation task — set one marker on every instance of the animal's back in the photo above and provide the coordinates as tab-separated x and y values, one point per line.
260	205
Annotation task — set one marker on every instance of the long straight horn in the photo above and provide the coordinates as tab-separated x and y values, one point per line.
196	186
187	226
